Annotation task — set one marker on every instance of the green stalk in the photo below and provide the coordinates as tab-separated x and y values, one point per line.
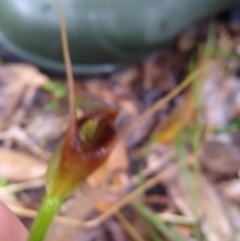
48	208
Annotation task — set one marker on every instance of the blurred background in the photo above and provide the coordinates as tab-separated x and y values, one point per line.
174	77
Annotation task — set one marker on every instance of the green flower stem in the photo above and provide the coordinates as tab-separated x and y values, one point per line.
48	208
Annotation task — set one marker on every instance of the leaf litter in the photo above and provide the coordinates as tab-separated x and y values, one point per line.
152	186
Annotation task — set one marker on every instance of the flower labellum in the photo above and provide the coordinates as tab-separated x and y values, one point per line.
86	146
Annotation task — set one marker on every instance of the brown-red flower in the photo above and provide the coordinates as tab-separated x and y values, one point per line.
86	146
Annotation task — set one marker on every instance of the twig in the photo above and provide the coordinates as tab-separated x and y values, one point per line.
113	210
128	227
17	134
162	102
176	219
162	161
17	187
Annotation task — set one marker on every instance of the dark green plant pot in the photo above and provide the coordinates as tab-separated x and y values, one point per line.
104	35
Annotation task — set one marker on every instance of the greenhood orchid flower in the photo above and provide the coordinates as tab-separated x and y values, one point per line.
85	147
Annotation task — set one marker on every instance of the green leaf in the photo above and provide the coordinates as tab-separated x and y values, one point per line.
52	106
3	182
57	89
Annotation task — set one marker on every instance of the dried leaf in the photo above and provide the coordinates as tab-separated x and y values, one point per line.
214	220
117	162
183	230
216	223
98	89
167	131
220	96
9	199
231	189
52	129
18	85
17	166
221	158
25	73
